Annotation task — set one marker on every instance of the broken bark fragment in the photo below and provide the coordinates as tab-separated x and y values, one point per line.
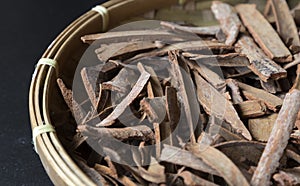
90	77
217	105
201	46
223	60
252	93
229	20
269	86
198	45
154	109
120	108
183	92
235	91
261	128
209	30
263	33
125	50
278	140
135	35
77	111
260	64
251	109
140	132
285	25
212	77
288	177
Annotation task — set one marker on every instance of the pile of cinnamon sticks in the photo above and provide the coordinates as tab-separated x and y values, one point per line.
186	105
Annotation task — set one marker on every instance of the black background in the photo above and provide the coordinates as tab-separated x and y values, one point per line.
26	28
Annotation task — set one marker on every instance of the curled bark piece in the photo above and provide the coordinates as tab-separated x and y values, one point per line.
89	77
252	93
235	91
251	109
209	30
184	94
124	50
278	140
201	46
217	105
136	35
260	64
229	20
140	132
212	77
263	33
77	111
285	25
120	108
223	60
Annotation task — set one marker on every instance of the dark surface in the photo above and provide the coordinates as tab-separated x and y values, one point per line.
27	28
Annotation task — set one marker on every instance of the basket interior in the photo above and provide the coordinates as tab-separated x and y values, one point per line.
70	49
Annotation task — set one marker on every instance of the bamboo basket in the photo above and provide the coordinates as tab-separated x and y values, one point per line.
46	105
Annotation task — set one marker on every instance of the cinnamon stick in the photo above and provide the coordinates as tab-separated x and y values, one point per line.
278	140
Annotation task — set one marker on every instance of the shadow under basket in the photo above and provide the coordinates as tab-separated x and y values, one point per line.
46	104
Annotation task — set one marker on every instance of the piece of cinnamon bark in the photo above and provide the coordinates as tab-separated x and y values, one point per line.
205	31
217	105
261	127
285	25
260	64
251	109
125	50
229	20
223	60
263	33
136	35
278	139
